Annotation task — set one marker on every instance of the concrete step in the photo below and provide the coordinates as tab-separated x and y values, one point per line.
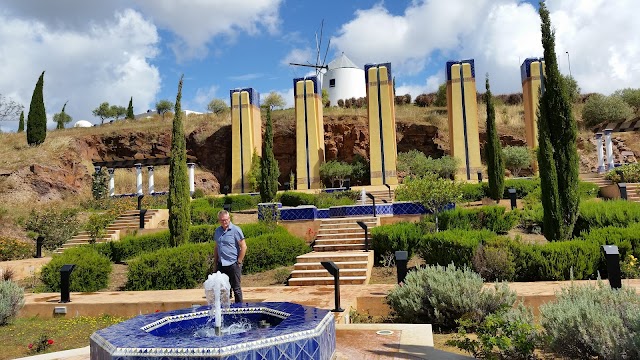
358	235
339	241
338	247
333	256
349	220
322	272
346	280
340	264
344	230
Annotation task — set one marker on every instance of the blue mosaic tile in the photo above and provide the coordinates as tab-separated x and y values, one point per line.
322	214
302	212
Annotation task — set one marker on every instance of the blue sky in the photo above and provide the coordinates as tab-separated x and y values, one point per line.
108	51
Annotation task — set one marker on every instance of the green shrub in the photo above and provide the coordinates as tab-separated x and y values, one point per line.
494	218
416	163
506	334
629	173
402	236
588	190
531	217
201	233
271	250
261	228
91	272
473	192
494	262
452	246
293	198
182	267
237	202
555	261
133	245
14	249
203	213
599	214
11	300
599	109
587	322
523	187
327	200
626	239
55	226
441	295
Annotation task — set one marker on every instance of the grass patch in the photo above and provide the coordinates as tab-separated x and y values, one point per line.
66	333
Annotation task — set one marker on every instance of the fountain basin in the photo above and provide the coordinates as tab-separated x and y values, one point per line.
296	332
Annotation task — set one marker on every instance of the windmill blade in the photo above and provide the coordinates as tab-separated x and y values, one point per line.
325	53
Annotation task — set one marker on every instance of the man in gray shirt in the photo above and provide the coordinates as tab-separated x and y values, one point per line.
229	252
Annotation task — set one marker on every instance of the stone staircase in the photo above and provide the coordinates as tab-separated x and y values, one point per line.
380	195
632	192
597	179
129	221
341	241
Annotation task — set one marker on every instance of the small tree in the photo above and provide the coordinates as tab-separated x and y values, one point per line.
163	106
179	198
516	158
631	97
99	184
325	98
118	111
599	109
255	172
572	88
274	100
130	114
21	123
495	159
104	111
9	109
218	106
334	170
432	192
62	118
269	166
96	226
37	118
422	100
441	96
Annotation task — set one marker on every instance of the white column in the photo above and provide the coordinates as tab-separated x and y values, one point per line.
192	177
139	179
363	196
97	168
609	146
151	184
600	153
112	182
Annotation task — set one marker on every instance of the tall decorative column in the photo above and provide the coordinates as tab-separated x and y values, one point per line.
192	177
532	73
462	111
138	179
382	124
609	146
600	153
151	181
309	132
246	136
112	182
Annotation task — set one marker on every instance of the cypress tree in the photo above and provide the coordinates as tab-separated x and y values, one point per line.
494	156
130	114
269	171
62	118
37	118
179	198
557	150
21	123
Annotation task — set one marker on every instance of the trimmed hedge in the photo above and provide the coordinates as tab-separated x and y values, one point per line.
187	266
494	218
524	187
321	201
133	245
15	249
452	246
403	236
294	198
599	214
257	229
626	239
237	202
91	272
203	213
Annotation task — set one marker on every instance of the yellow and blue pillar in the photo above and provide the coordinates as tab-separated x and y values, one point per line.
246	135
462	109
309	132
382	124
532	73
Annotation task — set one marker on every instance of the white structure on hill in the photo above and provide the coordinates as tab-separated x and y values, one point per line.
343	80
82	123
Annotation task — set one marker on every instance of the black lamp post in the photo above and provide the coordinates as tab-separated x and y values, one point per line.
333	269
65	282
612	258
402	258
143	212
39	242
512	197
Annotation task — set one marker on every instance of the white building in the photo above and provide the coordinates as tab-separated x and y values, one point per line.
343	80
82	123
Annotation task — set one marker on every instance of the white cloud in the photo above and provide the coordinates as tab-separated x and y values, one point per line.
109	62
196	23
205	95
499	35
299	56
287	95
